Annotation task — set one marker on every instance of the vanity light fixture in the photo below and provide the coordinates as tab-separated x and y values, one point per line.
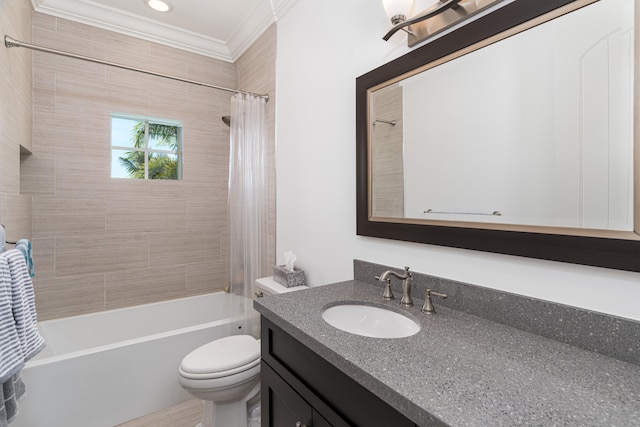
438	15
159	5
397	10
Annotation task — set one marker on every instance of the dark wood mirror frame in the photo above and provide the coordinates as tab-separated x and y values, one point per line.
616	253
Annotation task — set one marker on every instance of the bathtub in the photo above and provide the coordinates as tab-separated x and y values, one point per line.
102	369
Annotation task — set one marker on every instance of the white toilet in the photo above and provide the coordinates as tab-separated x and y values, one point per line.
225	373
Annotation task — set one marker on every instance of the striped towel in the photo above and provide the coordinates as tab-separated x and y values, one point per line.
24	246
24	305
10	392
11	358
19	336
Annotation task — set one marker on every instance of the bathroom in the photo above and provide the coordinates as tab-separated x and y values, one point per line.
308	61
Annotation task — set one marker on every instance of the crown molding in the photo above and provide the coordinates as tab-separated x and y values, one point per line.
250	29
257	23
91	13
281	7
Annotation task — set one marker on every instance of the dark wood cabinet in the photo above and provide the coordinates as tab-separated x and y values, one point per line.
298	386
285	407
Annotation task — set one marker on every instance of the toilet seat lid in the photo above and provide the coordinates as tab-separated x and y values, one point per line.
222	355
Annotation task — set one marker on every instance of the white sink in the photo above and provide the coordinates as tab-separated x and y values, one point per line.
369	321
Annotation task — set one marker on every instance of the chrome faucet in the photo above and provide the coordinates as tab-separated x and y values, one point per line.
406	286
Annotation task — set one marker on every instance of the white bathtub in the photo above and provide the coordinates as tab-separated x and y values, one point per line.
102	369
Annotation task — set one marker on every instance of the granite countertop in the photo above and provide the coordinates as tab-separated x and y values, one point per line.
462	369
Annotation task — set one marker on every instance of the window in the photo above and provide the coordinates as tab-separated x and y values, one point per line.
143	148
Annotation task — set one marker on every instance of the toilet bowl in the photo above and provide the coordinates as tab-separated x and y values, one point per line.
225	373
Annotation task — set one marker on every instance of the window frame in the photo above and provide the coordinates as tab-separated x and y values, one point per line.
179	153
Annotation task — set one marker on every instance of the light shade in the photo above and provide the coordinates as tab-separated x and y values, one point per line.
159	5
394	8
428	4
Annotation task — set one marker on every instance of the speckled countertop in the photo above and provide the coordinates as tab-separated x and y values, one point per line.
462	369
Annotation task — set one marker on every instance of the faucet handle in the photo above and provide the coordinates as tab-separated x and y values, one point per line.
387	294
428	305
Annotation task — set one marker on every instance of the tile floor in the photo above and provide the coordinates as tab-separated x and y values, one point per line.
186	414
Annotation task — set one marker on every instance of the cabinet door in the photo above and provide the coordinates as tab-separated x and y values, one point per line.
281	405
319	420
340	399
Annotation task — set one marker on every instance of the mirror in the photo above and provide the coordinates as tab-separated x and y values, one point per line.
512	134
539	133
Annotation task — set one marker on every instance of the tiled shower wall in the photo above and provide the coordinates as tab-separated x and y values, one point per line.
103	243
15	118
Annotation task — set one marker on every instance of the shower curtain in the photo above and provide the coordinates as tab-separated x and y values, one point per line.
247	201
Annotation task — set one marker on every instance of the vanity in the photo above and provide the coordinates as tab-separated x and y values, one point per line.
459	369
302	387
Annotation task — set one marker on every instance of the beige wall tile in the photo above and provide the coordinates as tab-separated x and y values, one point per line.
130	87
207	189
203	167
138	214
68	216
16	105
43	22
69	296
10	171
15	212
207	214
177	248
58	38
37	174
43	261
128	187
169	188
209	276
139	54
78	31
131	287
80	98
79	255
170	98
81	176
209	104
220	75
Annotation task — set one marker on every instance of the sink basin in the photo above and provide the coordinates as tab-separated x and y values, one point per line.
369	321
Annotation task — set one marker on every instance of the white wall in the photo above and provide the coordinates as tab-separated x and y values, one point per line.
322	48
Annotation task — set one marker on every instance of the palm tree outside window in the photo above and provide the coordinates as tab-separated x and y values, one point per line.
143	148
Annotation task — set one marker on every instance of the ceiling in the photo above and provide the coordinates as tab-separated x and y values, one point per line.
221	29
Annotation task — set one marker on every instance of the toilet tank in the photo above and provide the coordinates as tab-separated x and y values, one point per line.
268	286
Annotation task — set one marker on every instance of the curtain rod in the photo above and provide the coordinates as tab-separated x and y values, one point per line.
11	42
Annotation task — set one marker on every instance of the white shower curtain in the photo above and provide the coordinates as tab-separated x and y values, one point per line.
247	201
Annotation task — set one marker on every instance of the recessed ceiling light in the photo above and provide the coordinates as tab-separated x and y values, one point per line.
159	5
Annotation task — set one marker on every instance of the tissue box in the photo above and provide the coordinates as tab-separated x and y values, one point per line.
288	278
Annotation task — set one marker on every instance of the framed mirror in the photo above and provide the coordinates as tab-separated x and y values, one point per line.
513	134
